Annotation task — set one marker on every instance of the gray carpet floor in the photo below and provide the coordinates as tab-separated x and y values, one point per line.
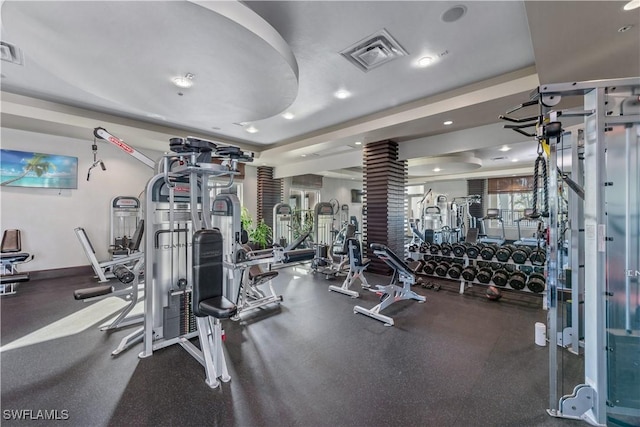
456	360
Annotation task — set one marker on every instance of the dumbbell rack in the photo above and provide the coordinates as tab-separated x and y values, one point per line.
527	268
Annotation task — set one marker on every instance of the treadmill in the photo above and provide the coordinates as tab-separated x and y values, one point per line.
492	215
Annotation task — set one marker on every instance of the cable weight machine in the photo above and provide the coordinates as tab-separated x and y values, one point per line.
609	394
178	206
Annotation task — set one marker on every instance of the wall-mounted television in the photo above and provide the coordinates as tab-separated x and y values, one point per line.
30	169
356	196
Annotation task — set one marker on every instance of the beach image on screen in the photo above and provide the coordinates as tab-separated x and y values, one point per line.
28	169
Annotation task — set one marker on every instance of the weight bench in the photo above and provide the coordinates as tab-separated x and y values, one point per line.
249	296
391	292
10	257
357	265
209	306
108	267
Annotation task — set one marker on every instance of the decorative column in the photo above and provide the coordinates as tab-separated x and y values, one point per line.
476	186
385	206
269	194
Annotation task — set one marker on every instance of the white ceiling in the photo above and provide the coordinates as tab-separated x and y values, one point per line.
110	64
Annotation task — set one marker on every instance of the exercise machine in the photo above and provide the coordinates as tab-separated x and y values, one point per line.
128	270
333	260
11	256
465	220
105	270
125	215
186	292
357	266
323	223
250	296
492	215
242	270
539	240
282	227
392	292
609	394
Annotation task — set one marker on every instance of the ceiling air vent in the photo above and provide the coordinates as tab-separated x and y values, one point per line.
373	51
11	53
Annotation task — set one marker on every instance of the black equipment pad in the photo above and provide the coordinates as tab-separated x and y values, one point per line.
208	276
14	258
391	259
96	291
299	255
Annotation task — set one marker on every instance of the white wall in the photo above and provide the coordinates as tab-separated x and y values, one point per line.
340	189
250	190
47	217
451	189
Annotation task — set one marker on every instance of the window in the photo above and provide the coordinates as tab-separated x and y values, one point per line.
512	196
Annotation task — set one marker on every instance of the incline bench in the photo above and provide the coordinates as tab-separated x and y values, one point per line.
391	292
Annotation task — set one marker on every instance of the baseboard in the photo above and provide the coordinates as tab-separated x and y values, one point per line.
60	272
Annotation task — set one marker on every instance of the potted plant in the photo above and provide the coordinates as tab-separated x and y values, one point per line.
261	235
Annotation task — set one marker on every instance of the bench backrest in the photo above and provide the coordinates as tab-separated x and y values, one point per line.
11	241
207	267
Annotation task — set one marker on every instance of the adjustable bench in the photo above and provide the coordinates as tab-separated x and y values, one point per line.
391	292
357	266
10	257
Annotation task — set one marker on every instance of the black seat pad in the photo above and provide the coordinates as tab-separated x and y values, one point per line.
218	307
257	276
12	257
95	291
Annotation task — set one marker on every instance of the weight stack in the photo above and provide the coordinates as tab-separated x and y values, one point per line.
187	319
178	318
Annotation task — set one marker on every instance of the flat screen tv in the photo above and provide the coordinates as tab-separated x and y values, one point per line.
29	169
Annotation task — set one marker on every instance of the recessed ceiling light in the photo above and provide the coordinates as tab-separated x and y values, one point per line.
358	142
448	123
251	129
505	148
514	160
633	4
288	115
625	28
342	94
425	61
437	169
185	81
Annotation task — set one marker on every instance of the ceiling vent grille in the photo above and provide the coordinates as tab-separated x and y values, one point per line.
373	51
11	53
